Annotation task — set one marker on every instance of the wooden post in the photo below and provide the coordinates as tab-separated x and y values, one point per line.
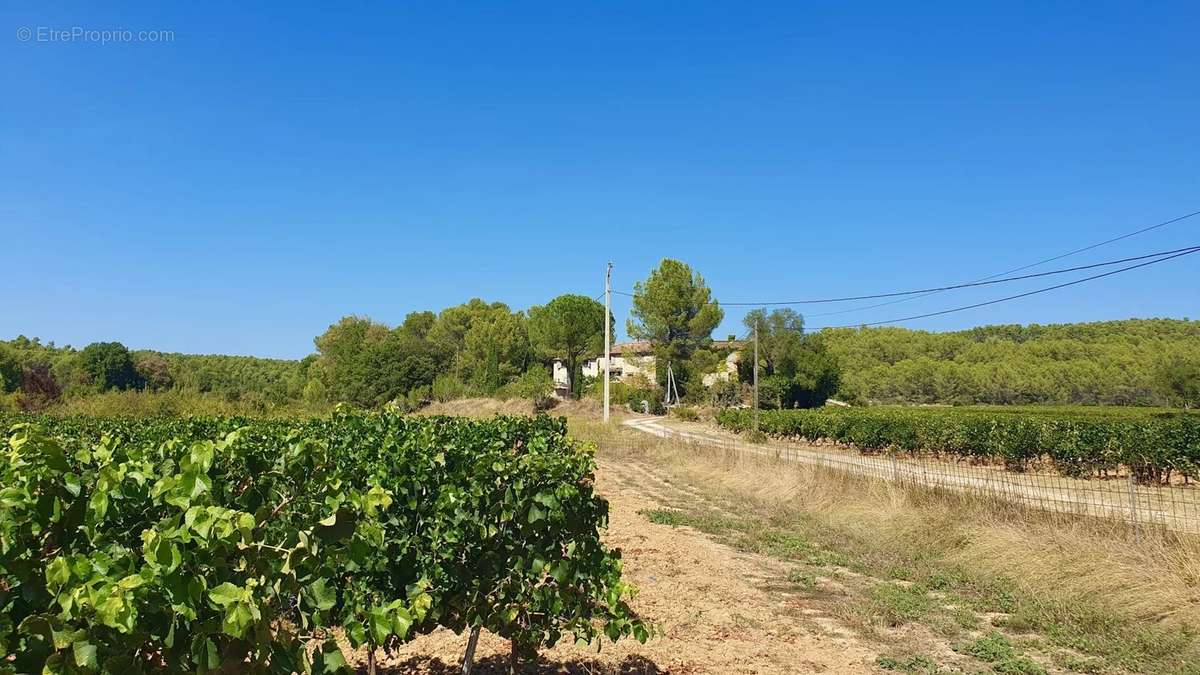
514	658
469	657
1133	510
756	377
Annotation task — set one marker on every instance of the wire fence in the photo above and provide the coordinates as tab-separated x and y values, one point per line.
1174	507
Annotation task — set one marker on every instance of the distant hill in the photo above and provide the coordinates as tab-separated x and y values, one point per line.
1129	362
230	377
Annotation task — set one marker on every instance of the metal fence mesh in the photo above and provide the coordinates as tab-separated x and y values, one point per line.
1174	507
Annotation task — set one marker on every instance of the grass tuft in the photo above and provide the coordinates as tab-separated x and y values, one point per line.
1081	587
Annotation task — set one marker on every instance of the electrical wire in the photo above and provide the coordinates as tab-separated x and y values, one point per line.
1018	295
851	310
929	291
964	285
905	296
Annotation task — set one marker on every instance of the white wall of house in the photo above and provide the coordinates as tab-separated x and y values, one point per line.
623	367
562	378
629	364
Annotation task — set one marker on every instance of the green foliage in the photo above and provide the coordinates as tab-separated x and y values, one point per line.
997	650
916	664
109	365
568	327
231	378
447	387
10	369
1078	442
675	311
353	353
894	604
795	370
685	413
368	364
1131	362
495	351
175	403
206	544
1177	374
725	393
640	398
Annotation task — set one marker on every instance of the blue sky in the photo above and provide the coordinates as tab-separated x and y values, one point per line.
271	169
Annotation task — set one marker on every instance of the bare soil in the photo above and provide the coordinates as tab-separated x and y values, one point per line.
718	610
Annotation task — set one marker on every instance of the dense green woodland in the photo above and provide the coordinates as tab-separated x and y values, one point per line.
1130	362
476	348
484	348
481	348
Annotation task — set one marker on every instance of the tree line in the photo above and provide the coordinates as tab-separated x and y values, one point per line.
1129	362
482	348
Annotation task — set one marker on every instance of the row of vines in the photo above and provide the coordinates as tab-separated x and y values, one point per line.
225	545
1153	447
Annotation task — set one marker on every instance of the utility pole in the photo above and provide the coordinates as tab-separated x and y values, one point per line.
756	375
607	331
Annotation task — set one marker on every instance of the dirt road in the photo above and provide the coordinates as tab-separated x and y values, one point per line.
719	610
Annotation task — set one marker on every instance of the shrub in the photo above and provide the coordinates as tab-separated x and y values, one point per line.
225	544
1152	446
447	387
653	398
725	394
685	413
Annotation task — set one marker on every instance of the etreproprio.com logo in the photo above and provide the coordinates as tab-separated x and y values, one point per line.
92	35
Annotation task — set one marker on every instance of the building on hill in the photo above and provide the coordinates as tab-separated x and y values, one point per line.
630	359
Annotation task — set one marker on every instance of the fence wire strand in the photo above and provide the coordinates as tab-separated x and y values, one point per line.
1114	496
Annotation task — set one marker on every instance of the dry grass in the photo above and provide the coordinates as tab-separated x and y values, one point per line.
585	409
1087	585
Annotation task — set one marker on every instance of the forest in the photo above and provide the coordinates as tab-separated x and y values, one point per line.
482	348
1129	362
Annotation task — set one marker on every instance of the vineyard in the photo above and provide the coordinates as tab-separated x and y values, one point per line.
221	544
1155	447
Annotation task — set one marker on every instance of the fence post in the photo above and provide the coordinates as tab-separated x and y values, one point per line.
1133	511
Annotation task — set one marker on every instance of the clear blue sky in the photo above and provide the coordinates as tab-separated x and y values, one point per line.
239	188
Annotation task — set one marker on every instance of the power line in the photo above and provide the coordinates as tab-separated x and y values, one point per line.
965	285
929	291
1098	245
977	282
1127	235
1019	295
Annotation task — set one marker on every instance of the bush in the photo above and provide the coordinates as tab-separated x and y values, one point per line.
685	413
243	545
533	383
653	398
725	394
447	387
1078	442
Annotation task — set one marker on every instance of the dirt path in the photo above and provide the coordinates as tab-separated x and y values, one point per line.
1172	507
719	610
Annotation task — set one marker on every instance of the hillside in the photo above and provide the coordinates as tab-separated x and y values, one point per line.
1129	362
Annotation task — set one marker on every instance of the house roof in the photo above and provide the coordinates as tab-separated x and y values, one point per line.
644	347
639	347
